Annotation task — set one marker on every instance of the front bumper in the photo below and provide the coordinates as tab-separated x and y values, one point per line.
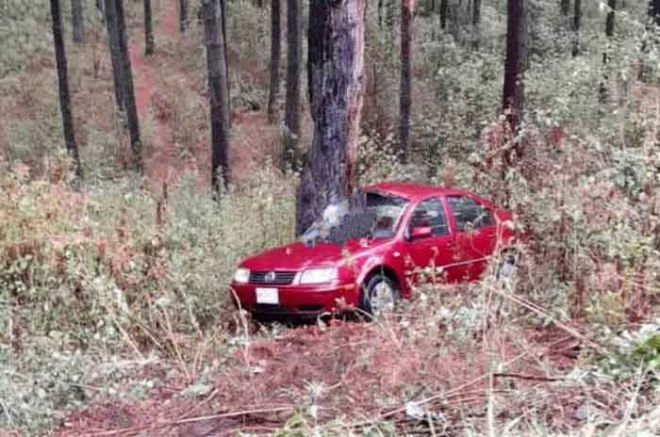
309	301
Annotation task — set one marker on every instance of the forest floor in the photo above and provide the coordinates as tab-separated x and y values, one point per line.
160	80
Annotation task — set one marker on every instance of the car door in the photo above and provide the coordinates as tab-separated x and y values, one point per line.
476	234
429	254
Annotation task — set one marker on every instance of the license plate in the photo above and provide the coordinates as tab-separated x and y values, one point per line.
268	296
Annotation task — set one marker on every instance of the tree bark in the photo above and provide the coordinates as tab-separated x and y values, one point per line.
183	15
654	11
609	24
223	13
476	23
119	43
577	18
77	21
63	86
405	90
609	32
380	13
218	98
115	57
275	54
335	71
444	6
513	94
292	104
148	29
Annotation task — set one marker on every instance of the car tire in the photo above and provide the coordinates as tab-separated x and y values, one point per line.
379	295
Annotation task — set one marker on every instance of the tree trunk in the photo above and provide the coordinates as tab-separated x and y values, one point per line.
476	23
564	7
119	42
77	21
223	11
380	13
115	57
148	29
405	91
444	6
335	70
516	58
218	98
609	24
292	105
63	84
654	11
577	18
275	49
183	15
609	32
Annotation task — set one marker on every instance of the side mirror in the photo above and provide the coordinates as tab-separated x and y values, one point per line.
421	232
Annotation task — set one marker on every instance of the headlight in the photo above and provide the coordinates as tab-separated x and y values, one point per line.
242	275
318	276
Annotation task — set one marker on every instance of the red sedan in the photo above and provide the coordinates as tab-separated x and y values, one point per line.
413	233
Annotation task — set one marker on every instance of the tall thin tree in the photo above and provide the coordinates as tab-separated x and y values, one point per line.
148	29
294	59
218	98
335	70
476	23
444	9
63	86
183	15
609	33
77	21
577	18
513	95
654	11
564	8
113	42
275	49
405	90
115	17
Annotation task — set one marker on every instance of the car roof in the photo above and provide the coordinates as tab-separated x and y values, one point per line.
413	191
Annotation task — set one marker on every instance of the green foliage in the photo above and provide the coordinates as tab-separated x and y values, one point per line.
637	351
22	33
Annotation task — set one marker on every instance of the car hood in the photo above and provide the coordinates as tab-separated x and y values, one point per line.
297	256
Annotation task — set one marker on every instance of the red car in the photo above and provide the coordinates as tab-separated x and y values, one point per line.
415	233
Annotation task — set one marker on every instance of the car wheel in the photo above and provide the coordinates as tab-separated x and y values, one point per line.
379	295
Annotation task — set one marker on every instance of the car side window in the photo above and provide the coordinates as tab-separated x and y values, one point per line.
430	213
469	214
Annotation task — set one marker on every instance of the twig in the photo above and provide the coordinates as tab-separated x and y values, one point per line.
543	313
528	377
137	429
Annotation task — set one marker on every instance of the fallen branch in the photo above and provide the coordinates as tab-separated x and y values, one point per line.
138	429
527	377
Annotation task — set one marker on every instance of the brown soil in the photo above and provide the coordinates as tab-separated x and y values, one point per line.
253	137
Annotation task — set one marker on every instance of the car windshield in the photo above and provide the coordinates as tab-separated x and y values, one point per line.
338	224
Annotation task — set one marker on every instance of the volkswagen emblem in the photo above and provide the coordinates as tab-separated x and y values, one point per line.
270	276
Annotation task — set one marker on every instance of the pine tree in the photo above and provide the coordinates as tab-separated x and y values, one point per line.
335	68
275	49
218	98
292	104
405	90
63	85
